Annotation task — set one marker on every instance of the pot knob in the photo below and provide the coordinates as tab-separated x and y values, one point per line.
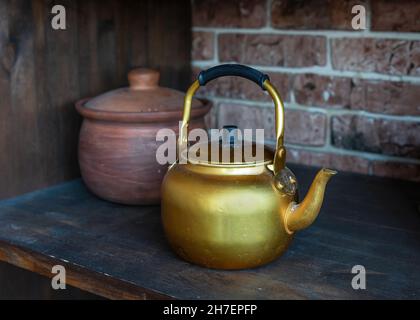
143	79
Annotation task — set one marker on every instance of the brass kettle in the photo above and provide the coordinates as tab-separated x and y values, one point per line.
235	215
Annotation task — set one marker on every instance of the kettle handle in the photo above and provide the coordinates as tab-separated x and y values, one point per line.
249	73
238	70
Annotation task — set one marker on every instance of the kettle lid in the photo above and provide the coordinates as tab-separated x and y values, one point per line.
230	150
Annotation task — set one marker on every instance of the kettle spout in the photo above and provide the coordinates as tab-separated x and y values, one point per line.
300	216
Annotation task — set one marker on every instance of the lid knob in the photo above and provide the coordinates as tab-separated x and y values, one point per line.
230	128
231	134
143	79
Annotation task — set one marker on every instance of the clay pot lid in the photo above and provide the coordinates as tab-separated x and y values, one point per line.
144	99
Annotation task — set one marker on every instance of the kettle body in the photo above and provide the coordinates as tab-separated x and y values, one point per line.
224	221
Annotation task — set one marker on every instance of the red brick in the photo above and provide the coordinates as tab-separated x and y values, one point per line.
328	160
312	14
387	97
407	171
377	135
273	50
248	117
302	127
210	118
322	91
377	96
222	13
395	57
402	15
202	46
305	127
239	88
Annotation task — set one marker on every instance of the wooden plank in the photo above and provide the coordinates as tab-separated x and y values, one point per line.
23	101
45	112
122	30
27	285
88	59
138	37
379	229
62	89
107	49
167	40
7	59
96	283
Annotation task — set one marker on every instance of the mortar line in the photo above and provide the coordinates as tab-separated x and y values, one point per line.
330	33
328	62
369	15
268	13
324	110
321	71
328	129
216	48
346	152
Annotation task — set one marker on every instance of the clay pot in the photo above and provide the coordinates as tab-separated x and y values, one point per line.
117	143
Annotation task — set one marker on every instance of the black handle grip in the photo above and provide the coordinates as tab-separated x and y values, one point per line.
232	70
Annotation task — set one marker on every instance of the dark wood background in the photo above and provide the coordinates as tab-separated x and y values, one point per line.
44	71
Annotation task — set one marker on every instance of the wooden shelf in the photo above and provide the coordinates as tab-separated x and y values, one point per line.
120	251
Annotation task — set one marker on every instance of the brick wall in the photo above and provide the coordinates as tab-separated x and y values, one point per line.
352	97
